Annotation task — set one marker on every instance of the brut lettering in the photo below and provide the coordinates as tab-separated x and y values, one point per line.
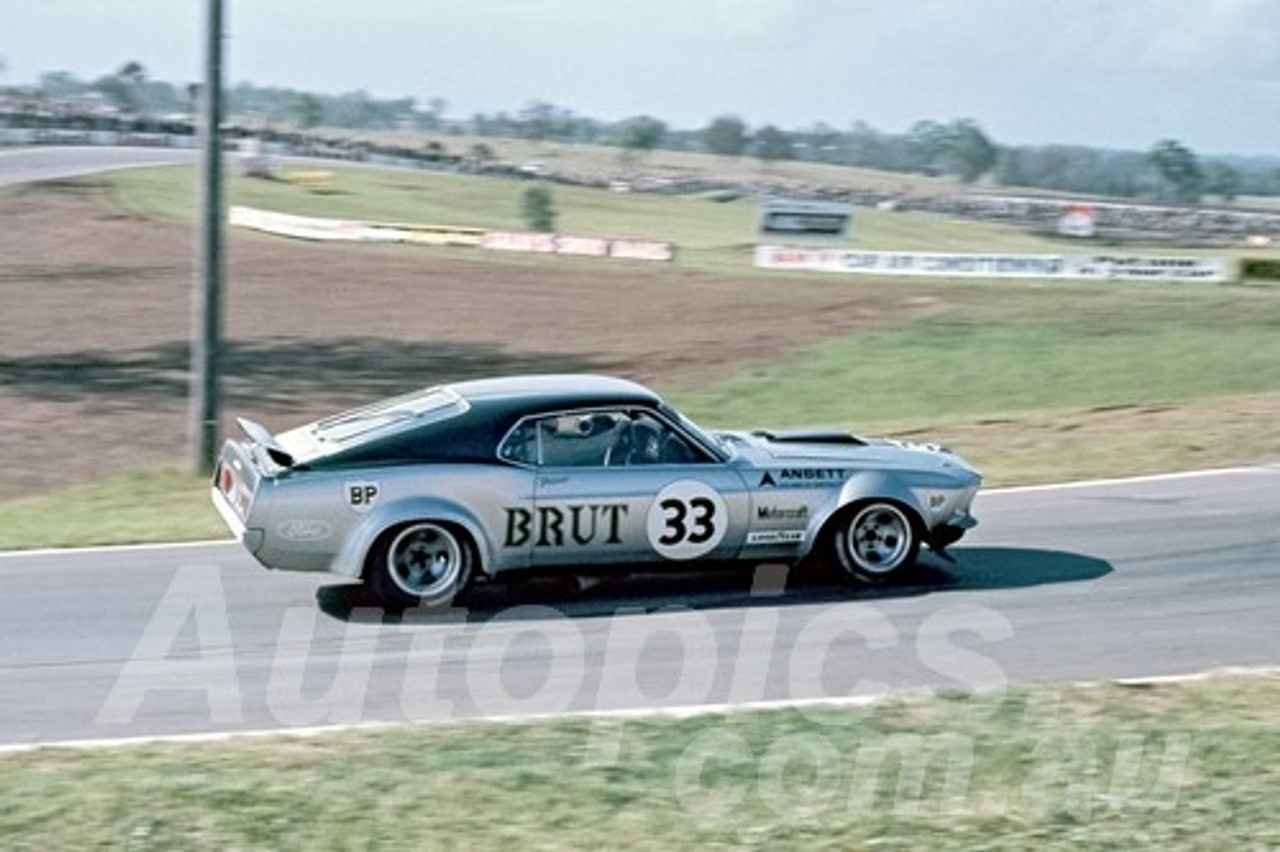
584	523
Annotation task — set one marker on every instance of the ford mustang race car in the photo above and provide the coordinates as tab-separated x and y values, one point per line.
422	494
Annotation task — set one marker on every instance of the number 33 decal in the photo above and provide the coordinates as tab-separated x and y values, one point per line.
687	520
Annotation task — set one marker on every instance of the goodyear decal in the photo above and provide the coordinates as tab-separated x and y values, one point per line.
775	537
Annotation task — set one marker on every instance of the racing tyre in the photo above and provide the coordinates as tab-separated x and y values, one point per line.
877	541
420	564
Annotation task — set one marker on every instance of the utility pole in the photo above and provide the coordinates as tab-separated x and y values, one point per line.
206	343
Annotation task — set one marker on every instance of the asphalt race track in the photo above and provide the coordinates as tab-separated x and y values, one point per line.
1126	579
26	165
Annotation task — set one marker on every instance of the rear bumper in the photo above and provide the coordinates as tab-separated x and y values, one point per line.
250	538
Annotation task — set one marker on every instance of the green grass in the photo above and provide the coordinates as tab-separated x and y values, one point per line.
442	199
961	366
1187	767
710	235
164	504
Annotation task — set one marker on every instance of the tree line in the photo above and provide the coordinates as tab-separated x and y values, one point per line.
1167	171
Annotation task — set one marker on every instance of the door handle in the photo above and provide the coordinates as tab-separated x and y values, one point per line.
552	480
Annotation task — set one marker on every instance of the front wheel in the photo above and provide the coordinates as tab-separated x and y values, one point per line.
876	541
421	564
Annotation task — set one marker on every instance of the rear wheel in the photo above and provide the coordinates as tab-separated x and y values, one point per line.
420	564
876	541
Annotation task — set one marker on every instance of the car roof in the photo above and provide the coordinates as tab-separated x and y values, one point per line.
551	392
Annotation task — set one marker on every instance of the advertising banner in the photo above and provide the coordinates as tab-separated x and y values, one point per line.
966	265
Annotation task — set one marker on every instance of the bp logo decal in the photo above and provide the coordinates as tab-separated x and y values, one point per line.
361	496
687	520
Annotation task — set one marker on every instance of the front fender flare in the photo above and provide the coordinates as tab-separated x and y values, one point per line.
869	485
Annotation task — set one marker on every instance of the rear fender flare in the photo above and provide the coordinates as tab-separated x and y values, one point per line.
350	560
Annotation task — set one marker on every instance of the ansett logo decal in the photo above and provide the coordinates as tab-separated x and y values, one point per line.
802	476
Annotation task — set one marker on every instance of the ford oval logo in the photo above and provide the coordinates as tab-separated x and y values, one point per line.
304	530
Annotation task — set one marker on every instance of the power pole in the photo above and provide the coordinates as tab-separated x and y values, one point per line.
206	342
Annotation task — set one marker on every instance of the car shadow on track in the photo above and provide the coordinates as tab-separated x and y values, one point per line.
603	595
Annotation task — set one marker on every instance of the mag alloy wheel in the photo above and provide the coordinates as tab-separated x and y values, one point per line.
878	540
423	564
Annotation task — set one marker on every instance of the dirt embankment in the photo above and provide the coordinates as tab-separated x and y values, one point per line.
96	307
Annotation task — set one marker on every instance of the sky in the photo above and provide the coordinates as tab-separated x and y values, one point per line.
1105	73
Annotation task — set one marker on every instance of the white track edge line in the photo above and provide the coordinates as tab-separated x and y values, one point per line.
114	548
680	712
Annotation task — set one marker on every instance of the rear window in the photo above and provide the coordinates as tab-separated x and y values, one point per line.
426	406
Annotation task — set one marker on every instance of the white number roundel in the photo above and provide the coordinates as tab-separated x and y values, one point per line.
687	520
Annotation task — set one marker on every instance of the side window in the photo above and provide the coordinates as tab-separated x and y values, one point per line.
580	440
521	445
598	439
643	439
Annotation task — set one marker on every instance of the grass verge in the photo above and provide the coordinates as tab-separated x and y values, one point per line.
1189	766
156	505
1022	448
972	365
711	236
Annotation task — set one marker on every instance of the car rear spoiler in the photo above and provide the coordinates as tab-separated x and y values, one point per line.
259	435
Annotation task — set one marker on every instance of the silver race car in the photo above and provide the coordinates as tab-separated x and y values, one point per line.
422	494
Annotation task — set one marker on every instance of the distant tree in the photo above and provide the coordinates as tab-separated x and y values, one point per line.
538	121
822	143
1011	167
772	145
118	91
969	153
132	76
870	148
726	136
436	108
538	208
481	154
59	84
1179	168
308	111
641	134
133	72
434	151
1222	180
927	144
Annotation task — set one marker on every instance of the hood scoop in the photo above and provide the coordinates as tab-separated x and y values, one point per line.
800	436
